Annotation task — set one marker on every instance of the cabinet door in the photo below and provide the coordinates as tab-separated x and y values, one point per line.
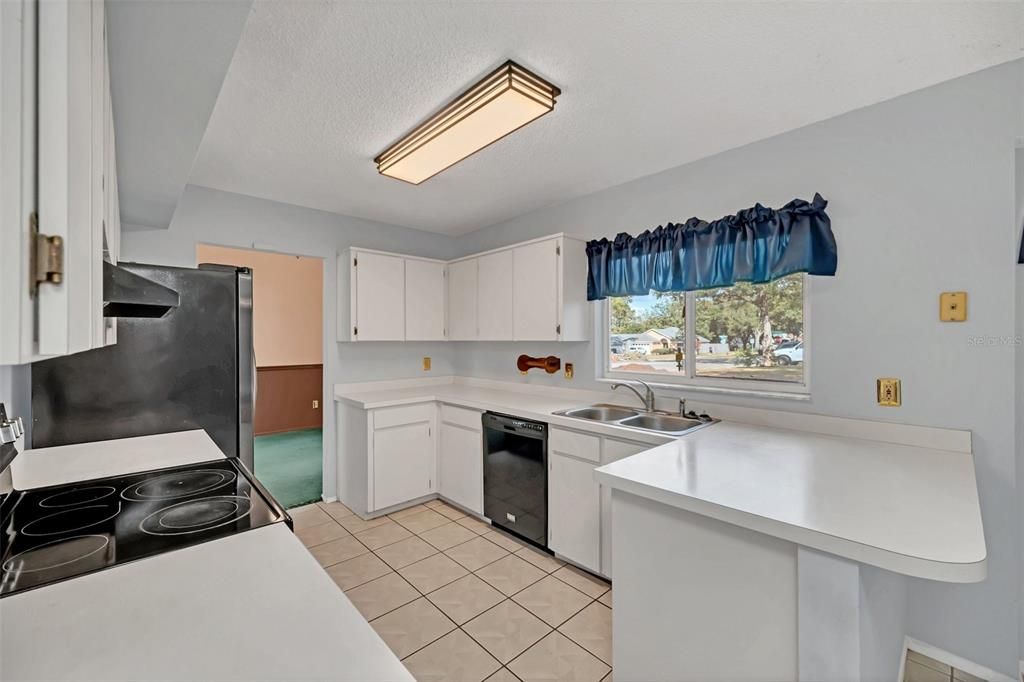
17	177
460	466
612	451
495	296
68	313
535	298
52	84
379	297
574	511
425	296
462	300
403	463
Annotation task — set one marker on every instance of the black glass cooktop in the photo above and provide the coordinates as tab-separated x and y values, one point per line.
51	534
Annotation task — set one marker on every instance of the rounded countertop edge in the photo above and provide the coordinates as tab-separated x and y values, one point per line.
971	571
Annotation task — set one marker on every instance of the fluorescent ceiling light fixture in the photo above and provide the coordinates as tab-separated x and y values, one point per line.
503	101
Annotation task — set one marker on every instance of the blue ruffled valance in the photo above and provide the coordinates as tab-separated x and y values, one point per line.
756	245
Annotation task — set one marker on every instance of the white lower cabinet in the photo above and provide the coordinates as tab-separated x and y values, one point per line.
430	448
460	458
612	450
402	455
574	511
579	509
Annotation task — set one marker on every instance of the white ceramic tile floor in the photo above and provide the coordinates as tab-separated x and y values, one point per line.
458	600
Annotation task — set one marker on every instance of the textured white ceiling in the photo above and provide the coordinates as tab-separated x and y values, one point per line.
317	89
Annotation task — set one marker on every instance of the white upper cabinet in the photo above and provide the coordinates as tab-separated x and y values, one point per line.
58	188
378	297
549	291
495	296
425	294
463	321
534	291
390	297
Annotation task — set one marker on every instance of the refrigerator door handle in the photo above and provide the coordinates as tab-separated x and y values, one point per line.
246	370
255	382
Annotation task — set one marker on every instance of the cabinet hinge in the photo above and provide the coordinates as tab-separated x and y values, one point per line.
46	257
355	262
355	331
558	329
558	250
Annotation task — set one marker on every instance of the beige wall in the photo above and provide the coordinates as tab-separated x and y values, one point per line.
288	303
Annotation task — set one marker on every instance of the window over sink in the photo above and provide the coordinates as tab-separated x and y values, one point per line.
751	337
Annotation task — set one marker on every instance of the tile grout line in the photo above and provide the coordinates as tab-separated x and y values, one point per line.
457	626
400	577
580	644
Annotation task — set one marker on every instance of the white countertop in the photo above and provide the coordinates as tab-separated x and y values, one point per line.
80	462
519	401
909	509
252	606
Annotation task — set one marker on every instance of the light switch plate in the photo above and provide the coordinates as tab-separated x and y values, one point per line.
889	392
953	306
426	364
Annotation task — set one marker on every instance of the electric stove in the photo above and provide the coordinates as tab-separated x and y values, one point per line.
60	532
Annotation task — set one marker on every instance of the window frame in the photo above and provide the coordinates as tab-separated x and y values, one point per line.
691	381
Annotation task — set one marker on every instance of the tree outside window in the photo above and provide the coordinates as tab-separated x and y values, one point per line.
746	331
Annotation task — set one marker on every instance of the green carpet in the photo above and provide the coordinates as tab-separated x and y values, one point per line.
290	465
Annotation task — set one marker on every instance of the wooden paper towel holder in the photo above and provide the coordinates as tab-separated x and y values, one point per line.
550	364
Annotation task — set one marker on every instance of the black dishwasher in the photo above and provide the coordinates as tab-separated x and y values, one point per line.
516	476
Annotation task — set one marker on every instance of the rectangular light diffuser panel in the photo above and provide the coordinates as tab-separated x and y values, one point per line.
504	101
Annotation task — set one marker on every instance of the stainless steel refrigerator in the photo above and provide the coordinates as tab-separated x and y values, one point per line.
172	369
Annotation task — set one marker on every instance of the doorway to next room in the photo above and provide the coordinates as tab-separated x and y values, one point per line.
288	340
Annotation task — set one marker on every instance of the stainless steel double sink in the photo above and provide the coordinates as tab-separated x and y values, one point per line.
658	422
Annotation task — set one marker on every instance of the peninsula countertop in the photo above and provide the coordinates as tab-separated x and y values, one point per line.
911	510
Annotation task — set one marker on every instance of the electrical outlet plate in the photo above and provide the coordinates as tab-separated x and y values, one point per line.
426	364
316	404
953	306
889	392
569	371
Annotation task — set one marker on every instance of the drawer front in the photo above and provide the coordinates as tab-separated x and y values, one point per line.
386	417
614	450
574	444
460	416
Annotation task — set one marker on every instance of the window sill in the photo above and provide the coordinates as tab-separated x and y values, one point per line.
799	394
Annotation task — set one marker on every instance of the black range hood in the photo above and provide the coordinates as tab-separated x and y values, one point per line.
126	294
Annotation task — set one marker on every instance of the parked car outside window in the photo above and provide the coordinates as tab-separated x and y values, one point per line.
793	355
